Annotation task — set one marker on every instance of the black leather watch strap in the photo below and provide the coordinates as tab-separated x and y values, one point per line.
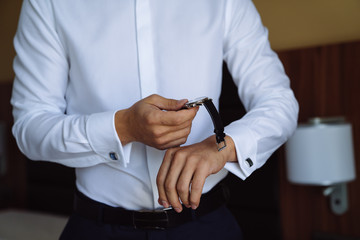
218	125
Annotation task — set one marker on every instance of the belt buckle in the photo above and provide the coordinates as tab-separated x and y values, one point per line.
151	219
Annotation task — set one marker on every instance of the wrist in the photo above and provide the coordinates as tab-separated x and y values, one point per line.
122	126
228	154
230	150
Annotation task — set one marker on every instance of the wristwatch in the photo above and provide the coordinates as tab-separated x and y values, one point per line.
215	117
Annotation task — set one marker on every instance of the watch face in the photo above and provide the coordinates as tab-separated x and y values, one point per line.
196	102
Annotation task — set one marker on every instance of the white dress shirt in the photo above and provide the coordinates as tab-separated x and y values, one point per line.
78	62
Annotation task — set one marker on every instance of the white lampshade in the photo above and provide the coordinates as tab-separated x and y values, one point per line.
321	153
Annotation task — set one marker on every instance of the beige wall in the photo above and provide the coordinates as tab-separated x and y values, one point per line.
303	23
291	23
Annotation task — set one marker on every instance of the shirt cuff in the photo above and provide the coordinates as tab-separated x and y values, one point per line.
246	149
103	138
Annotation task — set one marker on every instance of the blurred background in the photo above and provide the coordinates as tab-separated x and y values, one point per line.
318	42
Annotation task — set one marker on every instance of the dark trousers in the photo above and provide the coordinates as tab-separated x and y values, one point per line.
217	225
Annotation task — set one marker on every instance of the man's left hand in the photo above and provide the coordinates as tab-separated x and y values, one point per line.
183	172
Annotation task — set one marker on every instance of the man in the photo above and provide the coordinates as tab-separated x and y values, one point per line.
94	90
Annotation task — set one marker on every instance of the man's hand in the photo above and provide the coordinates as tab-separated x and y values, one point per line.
184	170
155	121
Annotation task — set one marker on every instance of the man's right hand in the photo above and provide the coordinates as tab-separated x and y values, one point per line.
155	121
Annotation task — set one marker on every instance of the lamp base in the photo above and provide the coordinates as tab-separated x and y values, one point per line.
338	198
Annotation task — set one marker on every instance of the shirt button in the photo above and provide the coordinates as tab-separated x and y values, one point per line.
113	156
249	162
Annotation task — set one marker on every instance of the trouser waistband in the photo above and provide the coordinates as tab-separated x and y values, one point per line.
148	219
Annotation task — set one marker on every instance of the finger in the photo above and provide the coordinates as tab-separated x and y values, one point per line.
174	139
171	180
166	103
184	182
197	186
173	144
179	131
161	176
177	118
162	130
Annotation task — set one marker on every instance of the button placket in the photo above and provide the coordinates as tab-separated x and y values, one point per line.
147	76
145	48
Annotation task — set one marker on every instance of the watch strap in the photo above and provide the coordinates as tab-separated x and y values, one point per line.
218	125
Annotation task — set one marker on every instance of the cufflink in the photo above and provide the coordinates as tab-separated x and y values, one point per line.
113	156
249	162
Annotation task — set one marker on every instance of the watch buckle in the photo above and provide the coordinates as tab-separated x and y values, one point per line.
221	145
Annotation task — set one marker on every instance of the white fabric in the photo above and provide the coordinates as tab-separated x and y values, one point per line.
78	62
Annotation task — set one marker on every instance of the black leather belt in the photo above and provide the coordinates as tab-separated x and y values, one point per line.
158	219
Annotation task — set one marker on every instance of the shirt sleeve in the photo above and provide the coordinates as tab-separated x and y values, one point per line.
263	88
41	127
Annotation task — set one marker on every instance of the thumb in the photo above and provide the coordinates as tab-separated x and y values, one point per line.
166	103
